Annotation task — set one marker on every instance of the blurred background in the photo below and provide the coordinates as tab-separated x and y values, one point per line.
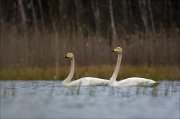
35	35
38	33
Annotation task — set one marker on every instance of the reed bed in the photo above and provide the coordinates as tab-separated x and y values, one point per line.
104	71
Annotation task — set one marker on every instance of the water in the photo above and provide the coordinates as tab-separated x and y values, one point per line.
49	99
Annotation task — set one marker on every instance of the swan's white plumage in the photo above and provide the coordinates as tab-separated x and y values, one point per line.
133	81
88	81
85	81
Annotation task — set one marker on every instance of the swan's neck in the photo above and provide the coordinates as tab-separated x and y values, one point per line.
116	70
70	76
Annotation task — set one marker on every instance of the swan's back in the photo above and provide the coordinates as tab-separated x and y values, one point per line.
89	81
137	81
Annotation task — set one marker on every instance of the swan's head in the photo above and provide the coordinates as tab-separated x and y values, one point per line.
69	55
118	50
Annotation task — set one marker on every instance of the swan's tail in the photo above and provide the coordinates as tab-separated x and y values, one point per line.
150	84
154	84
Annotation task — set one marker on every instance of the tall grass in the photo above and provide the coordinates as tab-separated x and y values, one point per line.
40	49
33	48
40	57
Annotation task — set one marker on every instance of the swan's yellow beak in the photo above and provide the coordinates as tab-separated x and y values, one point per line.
117	50
68	55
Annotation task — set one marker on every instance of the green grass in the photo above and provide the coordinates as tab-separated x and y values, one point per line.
105	71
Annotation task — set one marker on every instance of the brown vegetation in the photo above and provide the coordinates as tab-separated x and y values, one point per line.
40	49
37	34
103	71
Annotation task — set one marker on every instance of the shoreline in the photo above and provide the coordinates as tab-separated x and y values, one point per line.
104	71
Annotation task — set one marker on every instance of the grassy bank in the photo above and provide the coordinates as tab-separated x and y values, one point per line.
156	73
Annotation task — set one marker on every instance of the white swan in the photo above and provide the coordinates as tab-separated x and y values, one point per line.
133	81
85	81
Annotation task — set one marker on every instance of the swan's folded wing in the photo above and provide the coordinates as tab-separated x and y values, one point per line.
137	81
127	82
92	81
88	81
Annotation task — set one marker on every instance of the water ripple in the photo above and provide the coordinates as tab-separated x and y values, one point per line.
49	99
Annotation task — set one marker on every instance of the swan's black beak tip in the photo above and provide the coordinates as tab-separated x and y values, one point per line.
112	51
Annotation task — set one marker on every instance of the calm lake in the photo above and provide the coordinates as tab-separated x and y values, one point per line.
49	99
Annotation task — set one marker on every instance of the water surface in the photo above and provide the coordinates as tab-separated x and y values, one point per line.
49	99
